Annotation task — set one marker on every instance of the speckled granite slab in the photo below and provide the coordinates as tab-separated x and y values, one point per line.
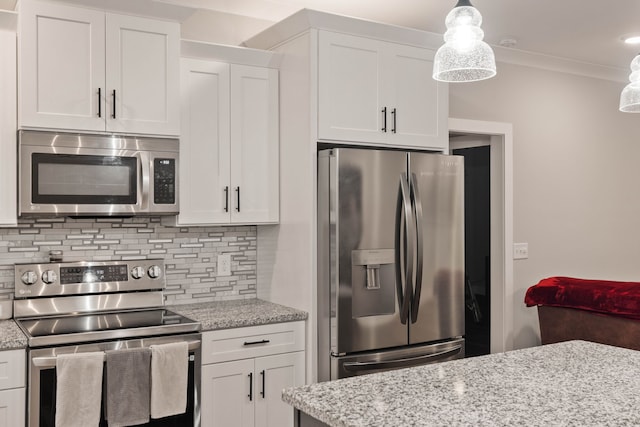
574	383
238	313
11	337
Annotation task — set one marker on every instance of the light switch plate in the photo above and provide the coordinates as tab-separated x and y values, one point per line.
520	250
224	265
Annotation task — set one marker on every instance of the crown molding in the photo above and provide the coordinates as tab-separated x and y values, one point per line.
562	65
306	19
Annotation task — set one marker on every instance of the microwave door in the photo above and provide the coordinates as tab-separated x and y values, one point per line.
73	184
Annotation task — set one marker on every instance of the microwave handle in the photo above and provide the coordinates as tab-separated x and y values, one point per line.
144	179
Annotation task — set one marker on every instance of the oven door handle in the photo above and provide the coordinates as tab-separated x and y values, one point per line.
50	361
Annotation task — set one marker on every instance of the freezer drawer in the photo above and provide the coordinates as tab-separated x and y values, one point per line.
367	363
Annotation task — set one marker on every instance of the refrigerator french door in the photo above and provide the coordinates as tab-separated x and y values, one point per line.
390	260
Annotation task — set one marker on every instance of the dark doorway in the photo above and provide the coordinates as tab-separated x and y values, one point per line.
477	165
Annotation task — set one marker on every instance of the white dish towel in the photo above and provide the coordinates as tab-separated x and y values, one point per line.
79	389
169	375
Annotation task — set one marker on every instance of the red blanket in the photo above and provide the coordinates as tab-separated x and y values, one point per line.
602	296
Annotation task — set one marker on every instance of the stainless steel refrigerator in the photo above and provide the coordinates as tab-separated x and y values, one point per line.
390	260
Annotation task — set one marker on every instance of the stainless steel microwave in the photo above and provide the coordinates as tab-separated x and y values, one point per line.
96	175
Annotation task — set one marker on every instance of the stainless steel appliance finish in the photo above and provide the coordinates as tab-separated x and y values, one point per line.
390	259
92	175
75	307
42	386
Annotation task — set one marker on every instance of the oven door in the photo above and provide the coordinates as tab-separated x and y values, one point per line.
41	404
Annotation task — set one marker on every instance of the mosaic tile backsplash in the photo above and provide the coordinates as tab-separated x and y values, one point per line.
190	253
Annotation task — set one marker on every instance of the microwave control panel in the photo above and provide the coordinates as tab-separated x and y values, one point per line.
164	181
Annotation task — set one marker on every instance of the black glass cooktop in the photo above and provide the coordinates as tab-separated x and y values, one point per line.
104	326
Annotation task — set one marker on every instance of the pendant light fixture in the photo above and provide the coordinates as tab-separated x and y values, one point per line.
464	57
630	96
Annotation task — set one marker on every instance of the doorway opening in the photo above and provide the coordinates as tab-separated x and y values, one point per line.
477	224
498	310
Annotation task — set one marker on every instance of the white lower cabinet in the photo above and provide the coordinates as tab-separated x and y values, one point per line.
253	365
12	408
12	388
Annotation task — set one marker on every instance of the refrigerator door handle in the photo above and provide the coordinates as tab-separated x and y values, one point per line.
400	363
404	287
417	208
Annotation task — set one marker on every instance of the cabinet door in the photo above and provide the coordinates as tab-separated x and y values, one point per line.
12	407
226	388
143	66
8	174
204	144
61	67
417	104
254	145
273	374
349	104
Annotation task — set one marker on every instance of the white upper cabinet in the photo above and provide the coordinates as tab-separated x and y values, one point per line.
8	123
379	92
61	67
143	69
254	144
205	142
82	69
229	144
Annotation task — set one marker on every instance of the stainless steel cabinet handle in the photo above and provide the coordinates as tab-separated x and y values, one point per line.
417	208
384	119
394	115
99	102
399	363
226	198
250	386
113	96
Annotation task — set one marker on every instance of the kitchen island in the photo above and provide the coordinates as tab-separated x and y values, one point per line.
575	383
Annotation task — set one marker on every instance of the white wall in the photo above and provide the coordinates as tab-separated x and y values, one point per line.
220	27
576	176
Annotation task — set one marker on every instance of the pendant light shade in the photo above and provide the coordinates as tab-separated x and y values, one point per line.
464	57
630	96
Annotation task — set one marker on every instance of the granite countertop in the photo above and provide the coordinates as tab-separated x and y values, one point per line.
238	313
575	383
11	337
212	316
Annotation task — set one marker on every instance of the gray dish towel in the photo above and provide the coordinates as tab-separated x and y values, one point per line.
169	375
79	389
128	386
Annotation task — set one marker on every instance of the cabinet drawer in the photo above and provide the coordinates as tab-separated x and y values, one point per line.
254	341
12	369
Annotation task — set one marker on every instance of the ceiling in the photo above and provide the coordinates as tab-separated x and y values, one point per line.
582	30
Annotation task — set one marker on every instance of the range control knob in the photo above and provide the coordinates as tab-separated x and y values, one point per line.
49	277
137	272
29	277
154	272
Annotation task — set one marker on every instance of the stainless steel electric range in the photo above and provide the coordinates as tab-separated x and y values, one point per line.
75	307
